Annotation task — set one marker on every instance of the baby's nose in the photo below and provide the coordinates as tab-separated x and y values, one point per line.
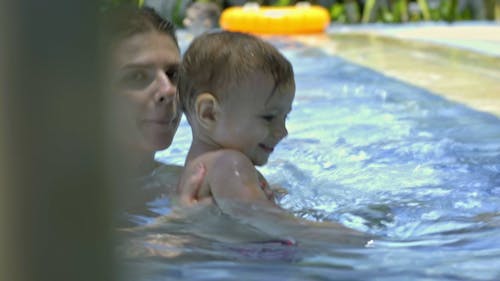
280	132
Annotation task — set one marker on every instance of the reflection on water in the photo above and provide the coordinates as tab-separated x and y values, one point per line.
378	155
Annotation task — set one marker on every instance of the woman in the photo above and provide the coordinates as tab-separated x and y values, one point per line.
144	117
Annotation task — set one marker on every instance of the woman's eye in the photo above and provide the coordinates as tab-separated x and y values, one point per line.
139	76
135	75
136	79
172	75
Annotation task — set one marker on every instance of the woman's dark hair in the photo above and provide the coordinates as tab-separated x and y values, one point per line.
125	21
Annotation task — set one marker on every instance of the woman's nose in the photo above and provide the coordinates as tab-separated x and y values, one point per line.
166	89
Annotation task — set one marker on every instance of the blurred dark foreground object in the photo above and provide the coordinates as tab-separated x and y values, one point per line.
58	216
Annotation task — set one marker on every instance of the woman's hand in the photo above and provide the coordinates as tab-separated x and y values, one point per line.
188	195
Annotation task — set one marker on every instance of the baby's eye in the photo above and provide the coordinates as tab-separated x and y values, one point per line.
268	118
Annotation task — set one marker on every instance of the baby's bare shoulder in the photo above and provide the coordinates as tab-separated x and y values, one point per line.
231	157
219	158
221	164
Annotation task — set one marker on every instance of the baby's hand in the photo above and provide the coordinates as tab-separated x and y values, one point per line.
278	191
268	191
189	192
266	188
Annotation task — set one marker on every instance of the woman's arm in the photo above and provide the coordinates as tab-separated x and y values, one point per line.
189	188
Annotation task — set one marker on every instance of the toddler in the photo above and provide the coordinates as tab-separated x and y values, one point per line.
236	91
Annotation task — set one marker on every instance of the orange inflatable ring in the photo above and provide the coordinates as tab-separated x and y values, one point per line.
300	19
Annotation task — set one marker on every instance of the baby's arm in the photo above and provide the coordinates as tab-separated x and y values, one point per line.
234	184
233	177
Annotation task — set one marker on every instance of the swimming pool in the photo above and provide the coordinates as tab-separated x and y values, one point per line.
376	154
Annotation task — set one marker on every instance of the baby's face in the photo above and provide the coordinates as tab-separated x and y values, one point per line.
253	118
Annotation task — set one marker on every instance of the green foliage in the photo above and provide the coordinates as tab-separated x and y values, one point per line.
424	9
448	10
348	11
397	11
282	3
337	13
108	4
400	11
177	15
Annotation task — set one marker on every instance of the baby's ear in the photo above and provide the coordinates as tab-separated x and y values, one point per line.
207	107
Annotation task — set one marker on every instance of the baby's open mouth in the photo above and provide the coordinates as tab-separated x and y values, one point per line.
266	148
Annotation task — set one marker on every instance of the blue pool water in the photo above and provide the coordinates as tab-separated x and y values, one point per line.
418	171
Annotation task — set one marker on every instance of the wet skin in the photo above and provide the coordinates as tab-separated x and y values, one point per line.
146	78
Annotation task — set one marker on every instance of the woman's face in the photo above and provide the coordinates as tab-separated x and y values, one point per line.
144	72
